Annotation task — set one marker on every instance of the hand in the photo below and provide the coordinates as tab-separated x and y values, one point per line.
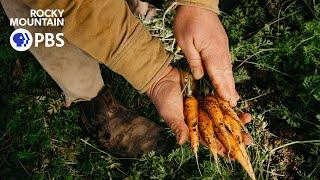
166	95
202	38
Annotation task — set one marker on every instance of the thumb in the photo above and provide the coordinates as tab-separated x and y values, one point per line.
194	60
180	130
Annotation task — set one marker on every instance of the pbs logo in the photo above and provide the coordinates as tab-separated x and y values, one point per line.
22	39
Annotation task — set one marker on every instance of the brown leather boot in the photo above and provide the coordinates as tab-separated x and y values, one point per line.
120	130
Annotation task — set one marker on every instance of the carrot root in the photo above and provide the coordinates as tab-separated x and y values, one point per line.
207	133
237	150
191	118
225	106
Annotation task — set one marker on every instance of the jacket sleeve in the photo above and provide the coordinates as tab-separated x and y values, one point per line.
108	31
206	4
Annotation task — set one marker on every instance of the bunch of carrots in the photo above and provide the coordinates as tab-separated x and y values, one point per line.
212	119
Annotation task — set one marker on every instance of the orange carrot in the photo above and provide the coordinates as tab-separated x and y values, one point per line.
233	126
191	118
225	106
207	133
236	150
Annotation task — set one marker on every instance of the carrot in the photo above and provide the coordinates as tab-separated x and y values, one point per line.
191	118
237	151
207	133
216	116
236	131
225	106
233	127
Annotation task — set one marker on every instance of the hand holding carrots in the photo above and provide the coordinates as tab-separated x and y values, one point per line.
166	94
213	120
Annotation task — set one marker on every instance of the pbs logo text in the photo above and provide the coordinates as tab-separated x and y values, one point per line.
21	39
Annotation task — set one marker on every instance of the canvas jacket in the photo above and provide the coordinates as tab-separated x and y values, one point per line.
107	31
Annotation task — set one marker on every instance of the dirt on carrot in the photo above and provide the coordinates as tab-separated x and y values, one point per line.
207	120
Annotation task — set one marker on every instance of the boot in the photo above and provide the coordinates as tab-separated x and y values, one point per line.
119	130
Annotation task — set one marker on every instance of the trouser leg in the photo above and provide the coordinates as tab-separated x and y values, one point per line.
76	73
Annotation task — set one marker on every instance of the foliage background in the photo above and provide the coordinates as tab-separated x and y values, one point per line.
275	46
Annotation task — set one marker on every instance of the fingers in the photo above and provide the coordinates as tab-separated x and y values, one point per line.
222	79
245	117
234	96
180	130
196	68
194	60
247	139
221	150
217	62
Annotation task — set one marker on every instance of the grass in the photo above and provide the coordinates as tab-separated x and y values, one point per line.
275	46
